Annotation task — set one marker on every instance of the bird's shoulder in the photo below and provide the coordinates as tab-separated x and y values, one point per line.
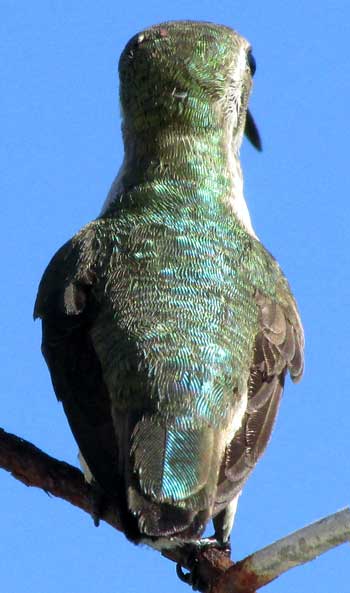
71	273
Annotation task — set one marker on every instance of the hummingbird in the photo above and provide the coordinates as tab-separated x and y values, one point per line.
167	327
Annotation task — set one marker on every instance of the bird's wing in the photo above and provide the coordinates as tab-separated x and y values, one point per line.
68	308
279	346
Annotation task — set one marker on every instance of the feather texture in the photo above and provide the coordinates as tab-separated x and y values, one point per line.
167	327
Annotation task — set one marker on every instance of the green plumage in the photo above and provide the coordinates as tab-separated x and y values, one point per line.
184	322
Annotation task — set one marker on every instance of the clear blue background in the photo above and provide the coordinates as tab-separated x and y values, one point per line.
60	149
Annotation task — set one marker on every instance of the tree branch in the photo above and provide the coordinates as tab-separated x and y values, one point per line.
33	467
295	549
215	572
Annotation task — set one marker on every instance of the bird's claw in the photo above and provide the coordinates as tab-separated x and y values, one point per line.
193	577
184	577
97	503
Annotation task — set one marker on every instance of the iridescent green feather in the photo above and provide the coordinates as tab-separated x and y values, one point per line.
185	320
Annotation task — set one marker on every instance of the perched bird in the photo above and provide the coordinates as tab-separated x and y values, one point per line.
168	328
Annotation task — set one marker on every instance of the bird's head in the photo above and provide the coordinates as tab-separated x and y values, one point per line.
187	74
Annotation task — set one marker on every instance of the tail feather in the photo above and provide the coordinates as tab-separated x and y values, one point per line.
172	464
170	474
161	519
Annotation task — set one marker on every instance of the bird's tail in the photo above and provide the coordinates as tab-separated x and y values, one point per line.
170	471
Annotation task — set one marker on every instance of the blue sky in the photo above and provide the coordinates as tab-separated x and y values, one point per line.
60	149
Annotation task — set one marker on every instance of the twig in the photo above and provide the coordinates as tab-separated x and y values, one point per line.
33	467
295	549
216	573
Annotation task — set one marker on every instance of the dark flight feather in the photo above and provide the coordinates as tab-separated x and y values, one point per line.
279	347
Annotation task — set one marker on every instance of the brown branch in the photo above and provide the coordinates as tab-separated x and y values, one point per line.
33	467
295	549
215	572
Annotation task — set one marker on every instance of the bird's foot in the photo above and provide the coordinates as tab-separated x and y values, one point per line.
194	553
214	542
191	578
97	499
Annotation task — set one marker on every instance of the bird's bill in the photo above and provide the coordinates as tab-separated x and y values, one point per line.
251	131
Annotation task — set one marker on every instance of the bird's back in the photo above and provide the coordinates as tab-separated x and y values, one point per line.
174	334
